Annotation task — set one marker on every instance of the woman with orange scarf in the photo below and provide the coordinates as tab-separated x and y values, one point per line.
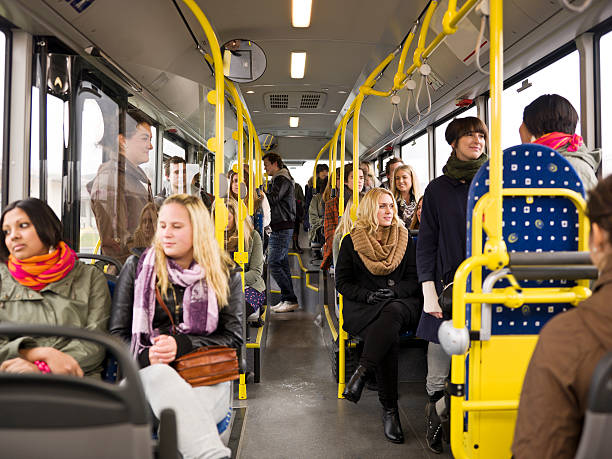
42	282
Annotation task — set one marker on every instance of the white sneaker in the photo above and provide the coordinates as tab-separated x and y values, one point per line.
288	307
277	306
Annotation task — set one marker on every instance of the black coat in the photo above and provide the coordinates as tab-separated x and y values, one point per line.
354	282
281	196
229	328
441	242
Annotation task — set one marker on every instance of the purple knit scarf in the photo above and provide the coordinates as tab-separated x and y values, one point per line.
200	309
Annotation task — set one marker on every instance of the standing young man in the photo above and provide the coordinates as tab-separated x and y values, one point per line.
281	196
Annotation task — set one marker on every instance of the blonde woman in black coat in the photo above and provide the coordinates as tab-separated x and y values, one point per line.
376	274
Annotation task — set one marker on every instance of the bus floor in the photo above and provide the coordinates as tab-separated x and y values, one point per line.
295	413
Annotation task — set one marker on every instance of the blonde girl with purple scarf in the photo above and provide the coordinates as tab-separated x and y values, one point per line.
193	276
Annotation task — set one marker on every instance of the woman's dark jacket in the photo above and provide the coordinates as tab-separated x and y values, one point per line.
229	328
354	282
441	242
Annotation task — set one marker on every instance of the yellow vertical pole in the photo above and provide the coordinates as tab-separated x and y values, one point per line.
358	103
314	168
251	172
343	125
342	336
240	256
216	97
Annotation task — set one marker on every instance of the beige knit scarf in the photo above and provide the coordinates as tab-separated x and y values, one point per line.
381	258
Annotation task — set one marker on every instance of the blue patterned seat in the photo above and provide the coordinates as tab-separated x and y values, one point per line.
540	224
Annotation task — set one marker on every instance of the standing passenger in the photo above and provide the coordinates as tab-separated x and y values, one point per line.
259	199
281	196
190	273
121	189
441	249
551	120
405	188
376	274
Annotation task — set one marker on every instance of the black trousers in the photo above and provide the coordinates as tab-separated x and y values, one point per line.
381	346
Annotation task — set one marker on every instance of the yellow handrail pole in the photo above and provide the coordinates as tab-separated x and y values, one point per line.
400	76
251	172
240	256
314	168
334	146
342	336
344	124
418	52
215	97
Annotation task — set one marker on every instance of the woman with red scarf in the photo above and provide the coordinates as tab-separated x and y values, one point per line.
42	282
551	120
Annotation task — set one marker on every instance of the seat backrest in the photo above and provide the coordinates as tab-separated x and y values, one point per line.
596	440
537	224
54	416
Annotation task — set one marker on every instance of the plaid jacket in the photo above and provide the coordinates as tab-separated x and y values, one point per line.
330	222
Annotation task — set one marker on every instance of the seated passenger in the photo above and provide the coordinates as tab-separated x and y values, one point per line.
551	120
405	188
254	285
316	211
344	226
186	267
556	387
368	174
259	199
390	167
416	217
376	274
310	190
121	189
330	221
44	283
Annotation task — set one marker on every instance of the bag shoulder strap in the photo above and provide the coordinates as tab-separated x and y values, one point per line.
164	307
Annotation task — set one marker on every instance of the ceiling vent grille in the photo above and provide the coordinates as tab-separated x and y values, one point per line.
279	101
310	101
295	101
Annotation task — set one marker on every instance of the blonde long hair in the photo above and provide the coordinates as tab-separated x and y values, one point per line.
415	189
206	252
232	206
345	224
367	212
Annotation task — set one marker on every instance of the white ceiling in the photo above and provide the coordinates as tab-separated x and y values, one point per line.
347	39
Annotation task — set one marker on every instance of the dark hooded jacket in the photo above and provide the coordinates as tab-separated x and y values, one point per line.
281	196
555	390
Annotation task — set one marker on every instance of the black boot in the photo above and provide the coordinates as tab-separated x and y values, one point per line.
434	425
354	388
391	423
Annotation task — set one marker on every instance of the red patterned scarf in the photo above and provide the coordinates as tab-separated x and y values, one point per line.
555	140
36	272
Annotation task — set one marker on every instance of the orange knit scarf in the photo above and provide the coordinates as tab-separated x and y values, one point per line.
38	271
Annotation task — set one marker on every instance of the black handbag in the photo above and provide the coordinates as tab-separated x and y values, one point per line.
445	299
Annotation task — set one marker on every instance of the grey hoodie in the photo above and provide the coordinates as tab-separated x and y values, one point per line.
585	163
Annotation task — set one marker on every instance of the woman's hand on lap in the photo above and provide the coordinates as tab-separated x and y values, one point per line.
163	350
18	365
59	362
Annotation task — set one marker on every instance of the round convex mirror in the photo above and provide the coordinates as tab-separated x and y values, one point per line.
243	60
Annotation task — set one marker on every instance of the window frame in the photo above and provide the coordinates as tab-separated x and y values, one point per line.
7	115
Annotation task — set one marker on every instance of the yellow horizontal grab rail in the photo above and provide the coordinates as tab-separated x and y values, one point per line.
512	298
489	405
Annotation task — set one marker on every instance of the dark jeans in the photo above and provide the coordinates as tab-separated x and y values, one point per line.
278	261
381	346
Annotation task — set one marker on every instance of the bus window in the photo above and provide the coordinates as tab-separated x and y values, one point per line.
415	153
605	52
561	77
2	91
173	149
443	149
149	167
55	150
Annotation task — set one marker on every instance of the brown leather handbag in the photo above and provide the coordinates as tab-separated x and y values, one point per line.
207	365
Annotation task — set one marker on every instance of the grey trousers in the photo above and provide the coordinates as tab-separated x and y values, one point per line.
198	410
438	367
